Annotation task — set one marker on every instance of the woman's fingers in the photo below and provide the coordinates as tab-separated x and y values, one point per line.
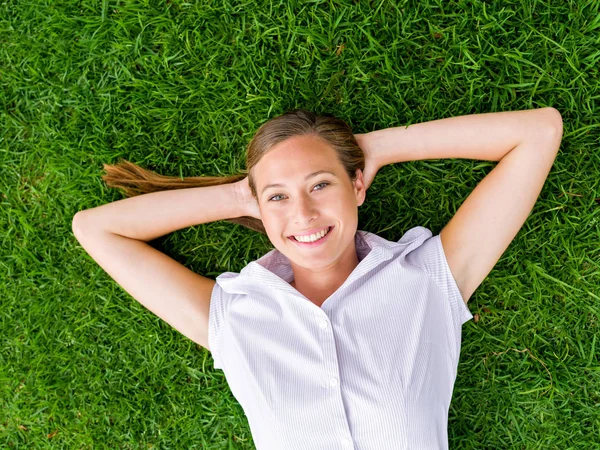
371	166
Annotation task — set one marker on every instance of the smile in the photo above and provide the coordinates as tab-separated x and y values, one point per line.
311	243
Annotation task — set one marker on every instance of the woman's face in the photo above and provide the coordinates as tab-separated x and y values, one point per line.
303	203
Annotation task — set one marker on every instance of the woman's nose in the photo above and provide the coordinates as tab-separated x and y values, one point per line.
304	208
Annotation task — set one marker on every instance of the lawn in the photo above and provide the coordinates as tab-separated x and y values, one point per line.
180	88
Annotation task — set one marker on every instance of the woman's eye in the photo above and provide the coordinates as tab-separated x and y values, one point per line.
278	195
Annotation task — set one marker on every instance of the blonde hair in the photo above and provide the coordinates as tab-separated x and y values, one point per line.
134	180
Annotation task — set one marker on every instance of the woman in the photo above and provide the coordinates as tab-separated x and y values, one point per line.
350	341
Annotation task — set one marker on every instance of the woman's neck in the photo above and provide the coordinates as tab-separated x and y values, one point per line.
318	286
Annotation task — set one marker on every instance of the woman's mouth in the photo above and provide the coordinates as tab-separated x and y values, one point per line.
315	243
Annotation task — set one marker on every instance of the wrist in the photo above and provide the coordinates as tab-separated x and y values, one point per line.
239	200
373	154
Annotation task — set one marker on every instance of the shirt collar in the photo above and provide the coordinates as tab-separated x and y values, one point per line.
275	269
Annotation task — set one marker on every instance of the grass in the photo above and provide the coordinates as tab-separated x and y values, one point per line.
180	88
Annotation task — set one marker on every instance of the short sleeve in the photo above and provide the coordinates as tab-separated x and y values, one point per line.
430	257
220	302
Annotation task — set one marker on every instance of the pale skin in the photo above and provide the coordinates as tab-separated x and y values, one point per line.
525	143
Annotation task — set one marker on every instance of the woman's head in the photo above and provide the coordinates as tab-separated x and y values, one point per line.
282	156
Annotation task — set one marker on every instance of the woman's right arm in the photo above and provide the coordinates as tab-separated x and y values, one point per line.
149	216
115	236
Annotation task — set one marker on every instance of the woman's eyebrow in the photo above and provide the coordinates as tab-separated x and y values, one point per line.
310	175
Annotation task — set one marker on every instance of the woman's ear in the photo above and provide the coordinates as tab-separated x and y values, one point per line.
359	188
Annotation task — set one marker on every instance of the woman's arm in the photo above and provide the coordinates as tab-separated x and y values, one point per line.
112	235
487	136
149	216
526	144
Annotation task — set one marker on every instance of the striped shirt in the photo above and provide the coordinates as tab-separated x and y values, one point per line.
373	368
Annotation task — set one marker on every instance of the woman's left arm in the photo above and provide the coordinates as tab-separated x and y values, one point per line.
524	142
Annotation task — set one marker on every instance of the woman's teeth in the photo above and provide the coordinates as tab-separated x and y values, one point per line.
312	237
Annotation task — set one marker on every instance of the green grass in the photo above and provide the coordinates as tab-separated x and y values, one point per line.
180	88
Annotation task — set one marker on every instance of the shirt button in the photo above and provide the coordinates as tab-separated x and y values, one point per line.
333	381
346	442
323	324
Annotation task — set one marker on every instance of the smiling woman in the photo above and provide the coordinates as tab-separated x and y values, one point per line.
332	311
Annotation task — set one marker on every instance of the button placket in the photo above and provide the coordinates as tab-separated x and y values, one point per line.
330	381
333	381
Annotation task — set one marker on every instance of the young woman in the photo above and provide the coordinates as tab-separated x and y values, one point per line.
337	338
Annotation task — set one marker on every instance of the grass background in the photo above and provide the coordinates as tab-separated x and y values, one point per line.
179	88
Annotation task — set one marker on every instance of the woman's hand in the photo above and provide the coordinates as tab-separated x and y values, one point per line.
371	164
247	202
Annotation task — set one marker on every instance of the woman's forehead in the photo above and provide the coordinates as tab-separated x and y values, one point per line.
291	160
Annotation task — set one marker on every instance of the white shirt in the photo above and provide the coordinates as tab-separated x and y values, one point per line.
373	368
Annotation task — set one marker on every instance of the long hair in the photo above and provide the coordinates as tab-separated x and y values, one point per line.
134	180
